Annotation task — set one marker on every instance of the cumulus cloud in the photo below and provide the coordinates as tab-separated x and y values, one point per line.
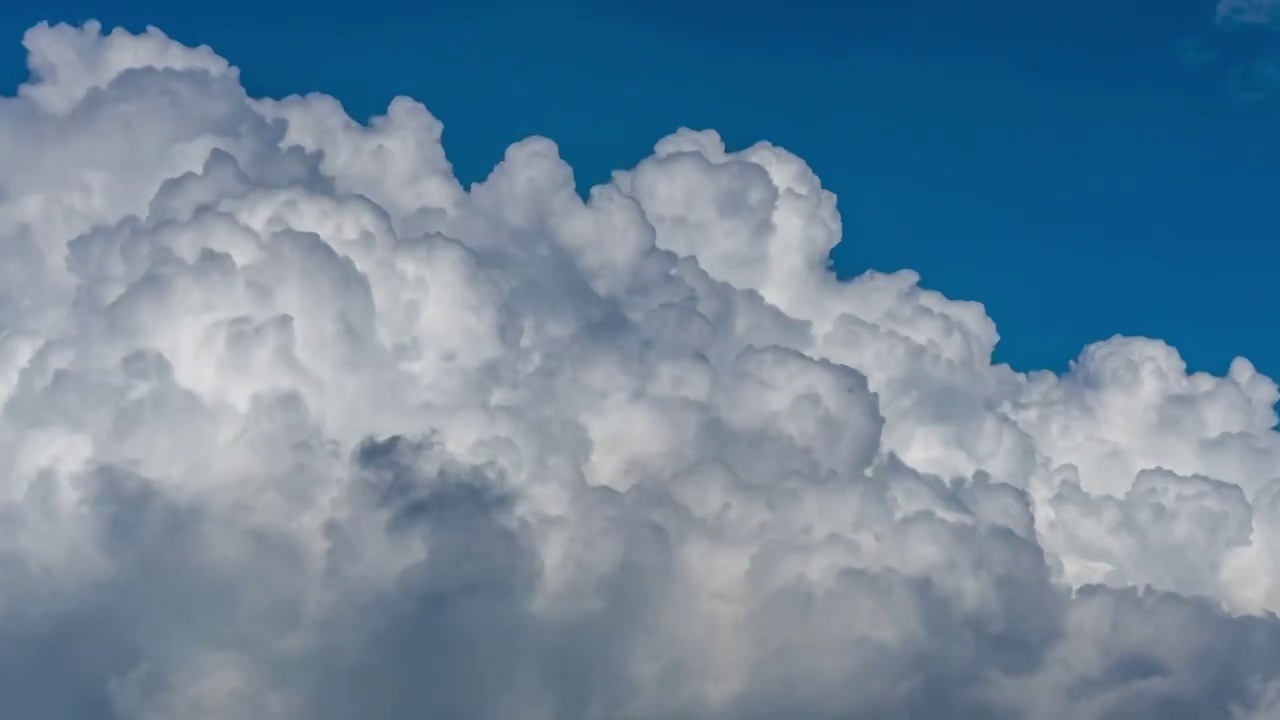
296	426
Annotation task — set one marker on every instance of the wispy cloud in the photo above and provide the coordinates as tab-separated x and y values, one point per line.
1248	12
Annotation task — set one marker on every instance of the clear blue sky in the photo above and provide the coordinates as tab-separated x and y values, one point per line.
1060	162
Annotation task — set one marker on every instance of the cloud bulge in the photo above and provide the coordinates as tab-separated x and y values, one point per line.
296	426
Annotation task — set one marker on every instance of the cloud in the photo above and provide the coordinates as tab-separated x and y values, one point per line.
1248	12
1240	53
295	426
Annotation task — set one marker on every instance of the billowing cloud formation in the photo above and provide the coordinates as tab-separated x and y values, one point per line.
295	426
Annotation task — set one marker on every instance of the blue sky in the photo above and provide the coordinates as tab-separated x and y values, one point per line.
1062	163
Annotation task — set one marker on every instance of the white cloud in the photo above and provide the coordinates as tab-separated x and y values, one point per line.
296	427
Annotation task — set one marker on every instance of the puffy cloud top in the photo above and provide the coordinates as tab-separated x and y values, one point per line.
295	426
